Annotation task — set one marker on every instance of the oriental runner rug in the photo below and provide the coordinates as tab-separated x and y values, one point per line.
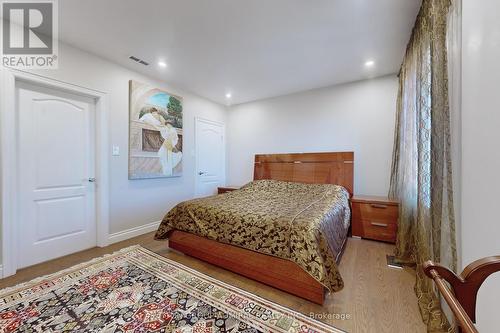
136	290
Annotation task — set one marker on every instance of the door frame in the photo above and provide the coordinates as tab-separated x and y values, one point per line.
211	122
9	171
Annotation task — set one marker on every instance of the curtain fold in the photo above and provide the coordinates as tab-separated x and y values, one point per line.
421	176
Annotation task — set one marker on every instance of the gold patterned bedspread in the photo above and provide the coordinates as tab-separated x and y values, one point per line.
304	223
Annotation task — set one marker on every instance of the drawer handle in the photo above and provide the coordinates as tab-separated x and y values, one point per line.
376	224
378	206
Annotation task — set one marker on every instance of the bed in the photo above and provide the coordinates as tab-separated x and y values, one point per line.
287	228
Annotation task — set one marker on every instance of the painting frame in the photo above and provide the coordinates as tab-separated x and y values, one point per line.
155	132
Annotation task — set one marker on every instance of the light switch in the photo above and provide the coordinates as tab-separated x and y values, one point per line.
116	151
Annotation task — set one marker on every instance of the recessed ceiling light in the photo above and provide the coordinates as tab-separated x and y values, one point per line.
162	64
228	95
369	63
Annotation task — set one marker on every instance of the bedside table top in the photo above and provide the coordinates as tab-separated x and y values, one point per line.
374	199
232	187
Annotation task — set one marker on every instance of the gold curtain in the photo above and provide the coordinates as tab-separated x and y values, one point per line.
421	176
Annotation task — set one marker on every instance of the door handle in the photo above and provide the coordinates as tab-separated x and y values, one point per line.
91	180
201	173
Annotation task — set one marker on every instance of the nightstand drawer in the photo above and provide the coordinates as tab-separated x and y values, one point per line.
225	189
375	218
376	211
379	230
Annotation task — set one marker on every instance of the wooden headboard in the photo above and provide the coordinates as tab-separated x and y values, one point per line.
323	168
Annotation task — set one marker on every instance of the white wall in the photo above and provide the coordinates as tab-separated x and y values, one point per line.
355	117
480	147
134	202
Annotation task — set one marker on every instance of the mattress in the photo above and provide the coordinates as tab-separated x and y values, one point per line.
304	223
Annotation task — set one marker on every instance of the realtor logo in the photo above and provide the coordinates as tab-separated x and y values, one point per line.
29	34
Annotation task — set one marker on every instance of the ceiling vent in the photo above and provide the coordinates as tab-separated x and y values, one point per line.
139	61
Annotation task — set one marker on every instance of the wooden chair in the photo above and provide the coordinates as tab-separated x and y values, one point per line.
462	298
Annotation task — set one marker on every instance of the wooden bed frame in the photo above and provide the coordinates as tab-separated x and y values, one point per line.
324	168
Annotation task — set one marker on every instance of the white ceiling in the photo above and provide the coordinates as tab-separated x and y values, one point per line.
251	48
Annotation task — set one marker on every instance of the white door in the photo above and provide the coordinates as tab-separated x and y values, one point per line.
56	166
210	157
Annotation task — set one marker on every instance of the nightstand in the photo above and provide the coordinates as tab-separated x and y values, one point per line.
375	218
224	189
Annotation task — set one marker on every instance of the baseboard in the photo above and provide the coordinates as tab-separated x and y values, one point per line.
133	232
1	271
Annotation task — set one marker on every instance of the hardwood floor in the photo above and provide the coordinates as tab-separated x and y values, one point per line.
375	298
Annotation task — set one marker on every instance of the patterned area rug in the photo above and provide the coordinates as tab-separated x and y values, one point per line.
136	290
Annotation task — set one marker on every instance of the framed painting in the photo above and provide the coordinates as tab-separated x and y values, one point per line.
155	133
